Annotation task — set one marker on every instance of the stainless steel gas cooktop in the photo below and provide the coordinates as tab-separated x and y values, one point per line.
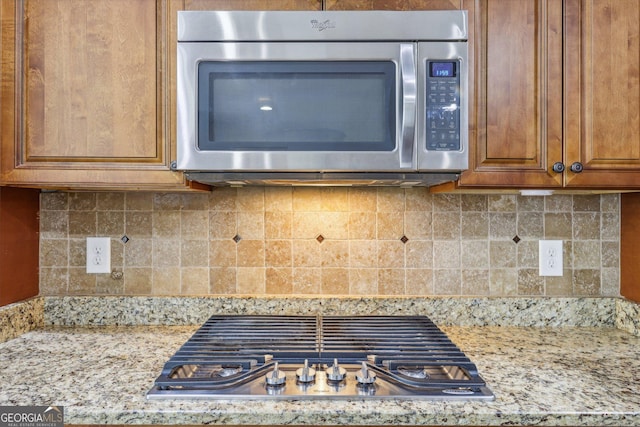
313	357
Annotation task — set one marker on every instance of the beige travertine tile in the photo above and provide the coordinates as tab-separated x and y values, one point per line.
530	282
279	280
54	201
363	281
446	203
334	199
586	254
307	280
195	281
502	203
391	281
586	203
250	199
166	225
307	199
166	281
278	253
166	253
610	283
610	254
390	225
138	201
167	202
250	280
306	225
306	253
610	227
138	280
222	253
251	225
446	254
223	199
557	225
419	281
446	225
278	225
363	199
194	253
474	225
390	200
418	199
335	281
560	285
527	251
502	254
250	253
502	225
54	280
334	225
559	203
362	225
110	223
503	281
139	224
418	225
222	225
194	225
222	280
54	224
81	283
447	282
474	203
334	253
390	254
363	254
54	253
107	285
419	254
586	226
138	253
475	282
586	282
278	199
530	225
195	202
110	201
530	203
474	254
82	201
77	252
82	223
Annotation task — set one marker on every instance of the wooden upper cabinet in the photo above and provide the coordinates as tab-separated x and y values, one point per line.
89	95
602	91
515	114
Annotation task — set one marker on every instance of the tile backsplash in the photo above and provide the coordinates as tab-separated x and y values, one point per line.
328	241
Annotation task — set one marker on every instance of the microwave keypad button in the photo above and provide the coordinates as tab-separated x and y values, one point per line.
443	111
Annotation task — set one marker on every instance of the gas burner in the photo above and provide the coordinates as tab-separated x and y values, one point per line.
417	372
308	357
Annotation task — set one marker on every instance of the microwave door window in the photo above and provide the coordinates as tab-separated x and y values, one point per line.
297	106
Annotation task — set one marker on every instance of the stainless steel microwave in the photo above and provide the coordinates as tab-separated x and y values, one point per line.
353	97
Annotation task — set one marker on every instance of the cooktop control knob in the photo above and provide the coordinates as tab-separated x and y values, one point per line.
336	372
306	374
365	375
276	377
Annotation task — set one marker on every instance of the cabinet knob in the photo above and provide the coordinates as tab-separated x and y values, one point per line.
576	167
558	167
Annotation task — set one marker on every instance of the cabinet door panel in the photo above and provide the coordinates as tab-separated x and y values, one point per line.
91	87
516	82
603	92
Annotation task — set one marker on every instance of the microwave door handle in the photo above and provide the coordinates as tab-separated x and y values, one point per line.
409	95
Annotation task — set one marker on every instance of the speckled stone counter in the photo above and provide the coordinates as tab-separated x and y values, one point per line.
540	375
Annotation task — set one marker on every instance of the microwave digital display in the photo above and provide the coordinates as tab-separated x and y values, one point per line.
442	69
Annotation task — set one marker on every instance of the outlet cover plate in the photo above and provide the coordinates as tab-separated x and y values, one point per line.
550	257
98	255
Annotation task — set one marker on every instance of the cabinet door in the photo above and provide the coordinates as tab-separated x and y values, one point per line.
392	5
515	115
602	90
89	95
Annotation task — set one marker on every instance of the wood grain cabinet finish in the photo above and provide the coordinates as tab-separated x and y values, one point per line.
85	95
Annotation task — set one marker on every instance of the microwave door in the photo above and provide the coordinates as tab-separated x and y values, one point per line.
277	106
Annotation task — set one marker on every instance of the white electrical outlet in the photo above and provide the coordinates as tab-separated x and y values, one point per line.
98	255
550	256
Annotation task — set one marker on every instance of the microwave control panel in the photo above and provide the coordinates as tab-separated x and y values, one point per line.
443	105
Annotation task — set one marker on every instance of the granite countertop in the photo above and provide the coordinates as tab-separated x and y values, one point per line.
540	376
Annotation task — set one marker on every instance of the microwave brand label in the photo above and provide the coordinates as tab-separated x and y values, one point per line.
322	25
